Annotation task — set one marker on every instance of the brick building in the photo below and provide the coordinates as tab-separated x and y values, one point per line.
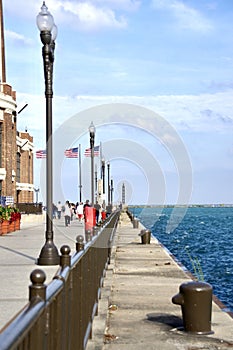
16	148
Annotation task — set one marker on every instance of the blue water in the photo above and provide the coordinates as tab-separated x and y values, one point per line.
201	240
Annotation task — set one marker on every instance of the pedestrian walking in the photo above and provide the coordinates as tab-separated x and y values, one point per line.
87	204
54	211
79	212
97	207
67	213
59	209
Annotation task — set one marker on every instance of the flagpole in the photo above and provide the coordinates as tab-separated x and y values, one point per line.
96	183
80	175
101	156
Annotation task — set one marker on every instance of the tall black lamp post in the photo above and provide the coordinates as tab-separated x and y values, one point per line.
37	190
103	179
92	143
112	189
108	168
48	31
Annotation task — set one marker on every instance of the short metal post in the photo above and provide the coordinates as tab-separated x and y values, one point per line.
88	235
65	259
79	243
37	289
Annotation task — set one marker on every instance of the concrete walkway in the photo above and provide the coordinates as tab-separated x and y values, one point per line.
19	251
135	309
138	288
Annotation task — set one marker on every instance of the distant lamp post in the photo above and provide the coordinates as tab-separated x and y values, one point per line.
123	193
103	179
37	190
92	143
108	168
48	31
112	189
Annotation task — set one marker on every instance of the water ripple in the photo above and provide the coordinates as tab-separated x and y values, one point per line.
204	236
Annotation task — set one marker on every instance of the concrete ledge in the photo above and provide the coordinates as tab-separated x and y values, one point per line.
32	218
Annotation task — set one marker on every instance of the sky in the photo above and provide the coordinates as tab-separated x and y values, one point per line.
155	77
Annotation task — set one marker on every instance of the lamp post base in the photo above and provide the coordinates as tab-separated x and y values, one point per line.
49	255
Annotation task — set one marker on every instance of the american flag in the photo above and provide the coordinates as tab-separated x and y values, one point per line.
41	154
87	152
71	152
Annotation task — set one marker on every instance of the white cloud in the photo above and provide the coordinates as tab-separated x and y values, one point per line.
186	16
127	5
87	15
203	121
17	38
199	113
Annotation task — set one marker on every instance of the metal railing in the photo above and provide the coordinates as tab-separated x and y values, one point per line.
59	316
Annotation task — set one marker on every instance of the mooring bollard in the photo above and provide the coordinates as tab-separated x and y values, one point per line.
135	223
195	299
145	236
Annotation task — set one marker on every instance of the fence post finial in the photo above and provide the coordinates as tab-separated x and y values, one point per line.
79	243
65	259
37	289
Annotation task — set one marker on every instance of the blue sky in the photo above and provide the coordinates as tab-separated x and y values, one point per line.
171	57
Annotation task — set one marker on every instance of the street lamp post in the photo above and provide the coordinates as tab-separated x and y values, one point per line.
108	167
103	179
37	190
92	143
111	192
48	31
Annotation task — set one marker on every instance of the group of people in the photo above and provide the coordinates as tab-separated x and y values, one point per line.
71	211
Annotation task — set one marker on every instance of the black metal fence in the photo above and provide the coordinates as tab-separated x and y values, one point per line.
60	315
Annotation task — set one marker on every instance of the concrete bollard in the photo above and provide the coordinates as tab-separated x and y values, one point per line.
145	236
195	299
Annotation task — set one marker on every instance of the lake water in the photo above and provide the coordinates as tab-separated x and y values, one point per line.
200	238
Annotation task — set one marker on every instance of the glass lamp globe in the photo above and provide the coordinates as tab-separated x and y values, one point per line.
92	129
54	32
44	19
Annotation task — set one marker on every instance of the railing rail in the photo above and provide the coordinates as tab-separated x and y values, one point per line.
59	316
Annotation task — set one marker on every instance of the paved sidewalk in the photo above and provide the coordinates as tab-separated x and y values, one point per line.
138	288
135	309
19	251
